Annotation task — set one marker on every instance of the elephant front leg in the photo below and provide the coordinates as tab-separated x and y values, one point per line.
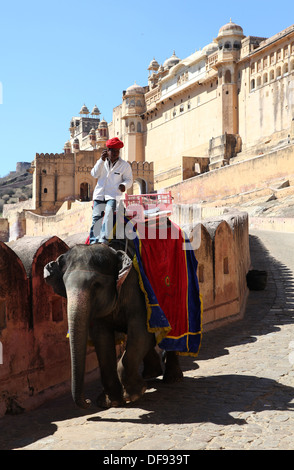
104	342
137	347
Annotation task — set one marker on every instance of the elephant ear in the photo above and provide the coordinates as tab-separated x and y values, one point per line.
53	275
125	265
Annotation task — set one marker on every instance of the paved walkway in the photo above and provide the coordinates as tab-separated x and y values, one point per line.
238	394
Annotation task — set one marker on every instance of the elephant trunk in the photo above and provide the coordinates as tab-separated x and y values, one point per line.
78	323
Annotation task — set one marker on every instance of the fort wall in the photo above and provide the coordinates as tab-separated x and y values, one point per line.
236	178
33	323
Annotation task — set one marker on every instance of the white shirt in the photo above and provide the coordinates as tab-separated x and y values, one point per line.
110	177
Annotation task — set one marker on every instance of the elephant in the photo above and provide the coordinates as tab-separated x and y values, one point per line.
99	305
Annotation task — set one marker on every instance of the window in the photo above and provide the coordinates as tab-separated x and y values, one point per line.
285	69
181	108
272	75
279	72
265	78
252	85
45	190
258	81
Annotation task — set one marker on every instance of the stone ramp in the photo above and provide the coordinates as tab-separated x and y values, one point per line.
238	393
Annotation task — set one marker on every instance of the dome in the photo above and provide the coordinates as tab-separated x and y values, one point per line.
154	65
135	90
102	124
84	110
212	47
230	29
95	111
173	60
67	145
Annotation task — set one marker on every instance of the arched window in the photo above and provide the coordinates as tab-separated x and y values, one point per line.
265	78
139	128
228	45
252	84
279	72
272	75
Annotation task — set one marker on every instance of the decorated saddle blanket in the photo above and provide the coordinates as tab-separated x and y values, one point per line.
166	266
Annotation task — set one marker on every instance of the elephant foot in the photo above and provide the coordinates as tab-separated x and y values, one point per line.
173	372
134	396
104	401
172	376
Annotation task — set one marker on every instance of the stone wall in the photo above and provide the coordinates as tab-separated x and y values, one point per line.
236	178
221	246
33	323
4	230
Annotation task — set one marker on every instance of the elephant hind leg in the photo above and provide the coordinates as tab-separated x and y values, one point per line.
173	372
152	365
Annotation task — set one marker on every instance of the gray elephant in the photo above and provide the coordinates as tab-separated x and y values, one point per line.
99	305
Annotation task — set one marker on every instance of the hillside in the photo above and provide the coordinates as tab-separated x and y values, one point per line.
15	187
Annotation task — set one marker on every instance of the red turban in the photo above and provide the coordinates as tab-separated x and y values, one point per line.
114	143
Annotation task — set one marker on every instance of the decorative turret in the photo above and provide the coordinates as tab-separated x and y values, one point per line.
102	133
95	111
230	36
84	110
76	145
92	135
153	66
67	147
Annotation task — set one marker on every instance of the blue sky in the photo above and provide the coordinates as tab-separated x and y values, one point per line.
55	56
